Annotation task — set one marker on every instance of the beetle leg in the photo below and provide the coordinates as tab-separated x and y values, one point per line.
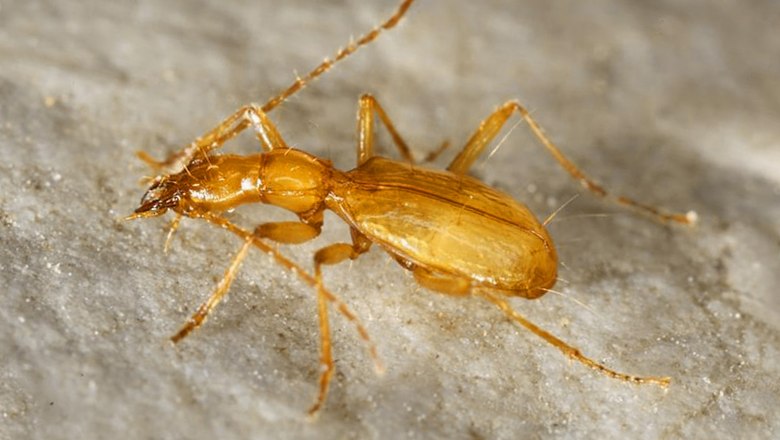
451	285
368	107
288	232
329	255
308	228
433	155
361	244
248	115
326	352
567	349
489	128
457	286
243	117
222	288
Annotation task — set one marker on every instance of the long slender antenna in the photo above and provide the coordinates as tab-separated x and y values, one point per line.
344	52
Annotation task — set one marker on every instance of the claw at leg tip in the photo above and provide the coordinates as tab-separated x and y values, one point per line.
313	413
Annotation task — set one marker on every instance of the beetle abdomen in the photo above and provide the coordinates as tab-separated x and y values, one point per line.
451	224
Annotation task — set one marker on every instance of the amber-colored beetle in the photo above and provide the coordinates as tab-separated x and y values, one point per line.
456	234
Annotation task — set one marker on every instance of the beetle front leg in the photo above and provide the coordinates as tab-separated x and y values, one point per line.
305	230
248	115
222	288
288	232
361	243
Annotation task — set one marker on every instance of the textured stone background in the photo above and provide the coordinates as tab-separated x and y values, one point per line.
675	104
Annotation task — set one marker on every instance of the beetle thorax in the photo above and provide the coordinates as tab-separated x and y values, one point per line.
294	180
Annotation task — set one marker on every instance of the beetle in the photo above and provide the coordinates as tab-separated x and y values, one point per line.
457	235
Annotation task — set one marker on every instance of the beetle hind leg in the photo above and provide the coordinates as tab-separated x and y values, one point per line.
492	125
458	286
447	284
567	349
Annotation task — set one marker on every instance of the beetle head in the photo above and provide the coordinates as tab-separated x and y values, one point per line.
166	192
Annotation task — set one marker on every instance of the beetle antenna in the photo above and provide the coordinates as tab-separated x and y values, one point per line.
344	52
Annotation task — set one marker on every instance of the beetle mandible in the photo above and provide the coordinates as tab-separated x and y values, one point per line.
457	235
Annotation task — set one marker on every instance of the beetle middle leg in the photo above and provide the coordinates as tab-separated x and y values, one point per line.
341	306
330	255
489	128
368	106
323	294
